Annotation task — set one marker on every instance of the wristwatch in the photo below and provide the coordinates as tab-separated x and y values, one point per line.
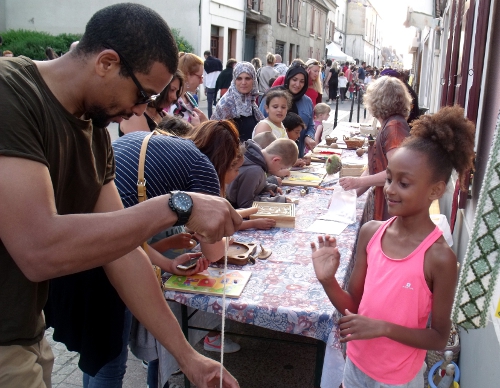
182	204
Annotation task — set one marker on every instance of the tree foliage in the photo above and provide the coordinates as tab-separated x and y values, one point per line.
32	44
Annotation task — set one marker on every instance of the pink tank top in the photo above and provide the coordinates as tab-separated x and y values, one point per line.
394	291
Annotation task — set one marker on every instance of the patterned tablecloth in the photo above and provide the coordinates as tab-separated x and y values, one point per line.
283	293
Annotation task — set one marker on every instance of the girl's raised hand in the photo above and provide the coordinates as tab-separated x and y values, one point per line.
356	327
325	258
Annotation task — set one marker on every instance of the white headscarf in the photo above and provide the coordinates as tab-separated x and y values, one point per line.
235	104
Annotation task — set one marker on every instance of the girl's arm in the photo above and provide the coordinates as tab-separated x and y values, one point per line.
318	134
441	263
326	260
261	126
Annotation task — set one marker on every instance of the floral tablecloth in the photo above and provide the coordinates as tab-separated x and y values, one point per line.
283	293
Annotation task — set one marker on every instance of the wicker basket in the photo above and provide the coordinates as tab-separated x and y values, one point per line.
353	144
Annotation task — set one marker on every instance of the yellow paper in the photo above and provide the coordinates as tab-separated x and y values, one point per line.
497	313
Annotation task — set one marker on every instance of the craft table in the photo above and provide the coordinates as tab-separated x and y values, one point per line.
283	293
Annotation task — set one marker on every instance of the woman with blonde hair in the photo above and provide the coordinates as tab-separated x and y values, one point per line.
315	89
265	73
191	66
388	100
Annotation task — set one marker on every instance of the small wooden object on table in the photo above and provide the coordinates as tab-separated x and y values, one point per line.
298	178
282	213
239	253
353	143
352	170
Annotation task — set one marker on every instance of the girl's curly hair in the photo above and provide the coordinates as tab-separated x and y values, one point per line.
447	139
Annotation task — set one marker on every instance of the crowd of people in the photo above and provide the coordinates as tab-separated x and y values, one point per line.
77	198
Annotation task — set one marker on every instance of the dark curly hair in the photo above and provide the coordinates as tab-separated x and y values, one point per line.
447	139
138	33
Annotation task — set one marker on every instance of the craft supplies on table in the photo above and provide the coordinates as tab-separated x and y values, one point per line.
282	213
210	282
299	178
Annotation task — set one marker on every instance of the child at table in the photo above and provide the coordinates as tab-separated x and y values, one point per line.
251	181
277	104
404	269
294	125
321	113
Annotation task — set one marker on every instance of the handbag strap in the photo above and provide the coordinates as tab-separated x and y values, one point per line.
141	181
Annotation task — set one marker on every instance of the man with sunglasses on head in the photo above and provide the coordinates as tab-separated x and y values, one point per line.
62	217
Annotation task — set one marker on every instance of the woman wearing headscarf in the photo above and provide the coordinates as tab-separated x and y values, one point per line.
297	83
238	104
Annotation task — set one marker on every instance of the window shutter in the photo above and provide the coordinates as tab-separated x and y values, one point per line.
279	11
261	6
249	4
299	13
288	13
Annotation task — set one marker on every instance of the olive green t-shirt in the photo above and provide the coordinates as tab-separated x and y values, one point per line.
79	157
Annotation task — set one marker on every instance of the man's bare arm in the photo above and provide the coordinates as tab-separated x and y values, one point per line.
45	244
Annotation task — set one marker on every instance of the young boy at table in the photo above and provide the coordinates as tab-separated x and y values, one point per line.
251	181
294	125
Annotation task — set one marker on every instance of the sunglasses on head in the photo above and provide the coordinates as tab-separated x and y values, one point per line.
298	64
144	97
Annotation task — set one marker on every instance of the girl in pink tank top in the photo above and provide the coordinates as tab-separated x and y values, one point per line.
404	269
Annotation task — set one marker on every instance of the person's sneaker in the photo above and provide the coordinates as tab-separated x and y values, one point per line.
212	344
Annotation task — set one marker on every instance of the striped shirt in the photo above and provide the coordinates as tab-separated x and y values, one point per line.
171	164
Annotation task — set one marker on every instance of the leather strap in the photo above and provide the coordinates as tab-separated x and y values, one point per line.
141	181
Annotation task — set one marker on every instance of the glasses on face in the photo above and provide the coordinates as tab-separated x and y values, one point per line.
144	97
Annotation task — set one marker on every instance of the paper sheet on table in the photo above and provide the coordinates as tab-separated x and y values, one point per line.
333	228
342	207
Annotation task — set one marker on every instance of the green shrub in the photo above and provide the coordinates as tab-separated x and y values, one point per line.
182	43
32	44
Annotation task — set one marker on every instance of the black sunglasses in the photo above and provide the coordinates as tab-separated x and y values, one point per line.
145	98
298	64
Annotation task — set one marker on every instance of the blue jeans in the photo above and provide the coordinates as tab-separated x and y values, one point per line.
153	367
111	374
210	100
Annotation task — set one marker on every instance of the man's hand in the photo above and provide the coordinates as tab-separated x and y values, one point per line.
205	373
212	218
326	258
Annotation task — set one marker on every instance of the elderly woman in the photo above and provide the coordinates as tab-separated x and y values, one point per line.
297	83
388	100
238	104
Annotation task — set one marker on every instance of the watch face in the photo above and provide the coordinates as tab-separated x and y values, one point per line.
182	202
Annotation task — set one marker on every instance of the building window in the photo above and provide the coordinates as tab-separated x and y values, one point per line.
283	11
280	48
321	23
295	13
255	5
331	30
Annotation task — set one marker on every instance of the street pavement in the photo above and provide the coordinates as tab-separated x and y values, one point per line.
255	356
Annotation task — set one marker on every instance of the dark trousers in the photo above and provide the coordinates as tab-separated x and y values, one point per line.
210	100
342	93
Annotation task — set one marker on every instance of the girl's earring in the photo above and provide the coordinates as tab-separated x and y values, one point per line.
187	85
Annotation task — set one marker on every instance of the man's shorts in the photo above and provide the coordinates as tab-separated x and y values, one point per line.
355	378
26	366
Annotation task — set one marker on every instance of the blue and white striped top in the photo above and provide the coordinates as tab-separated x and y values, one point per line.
172	163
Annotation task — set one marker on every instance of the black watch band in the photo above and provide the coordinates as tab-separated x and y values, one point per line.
181	204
